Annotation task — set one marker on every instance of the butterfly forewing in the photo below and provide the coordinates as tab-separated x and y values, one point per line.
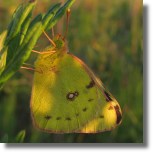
65	97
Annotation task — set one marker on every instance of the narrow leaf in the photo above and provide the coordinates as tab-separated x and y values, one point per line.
15	43
50	14
25	26
3	51
15	17
20	137
38	18
19	19
59	14
22	53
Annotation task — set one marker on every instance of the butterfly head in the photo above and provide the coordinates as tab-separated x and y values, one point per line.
59	42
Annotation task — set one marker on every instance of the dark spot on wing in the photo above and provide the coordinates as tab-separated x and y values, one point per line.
90	100
77	114
71	96
68	118
48	117
58	118
76	93
91	84
84	109
118	113
110	108
108	96
101	116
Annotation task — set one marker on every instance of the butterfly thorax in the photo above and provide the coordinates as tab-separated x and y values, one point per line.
47	61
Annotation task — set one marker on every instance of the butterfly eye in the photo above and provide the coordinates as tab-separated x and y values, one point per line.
59	43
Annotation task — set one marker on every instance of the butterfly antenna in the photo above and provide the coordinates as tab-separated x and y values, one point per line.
48	37
68	14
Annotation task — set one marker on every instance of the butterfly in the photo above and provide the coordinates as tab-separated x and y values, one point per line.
67	96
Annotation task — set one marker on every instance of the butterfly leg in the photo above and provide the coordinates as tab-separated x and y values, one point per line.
51	51
29	68
42	50
28	64
40	45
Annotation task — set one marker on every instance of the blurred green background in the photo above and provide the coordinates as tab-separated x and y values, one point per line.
108	36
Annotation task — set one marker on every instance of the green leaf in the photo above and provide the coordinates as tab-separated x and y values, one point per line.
14	45
46	17
4	139
25	26
15	18
20	137
38	18
50	14
3	51
18	18
59	14
22	53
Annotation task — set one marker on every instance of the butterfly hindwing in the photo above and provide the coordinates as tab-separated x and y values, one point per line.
109	114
